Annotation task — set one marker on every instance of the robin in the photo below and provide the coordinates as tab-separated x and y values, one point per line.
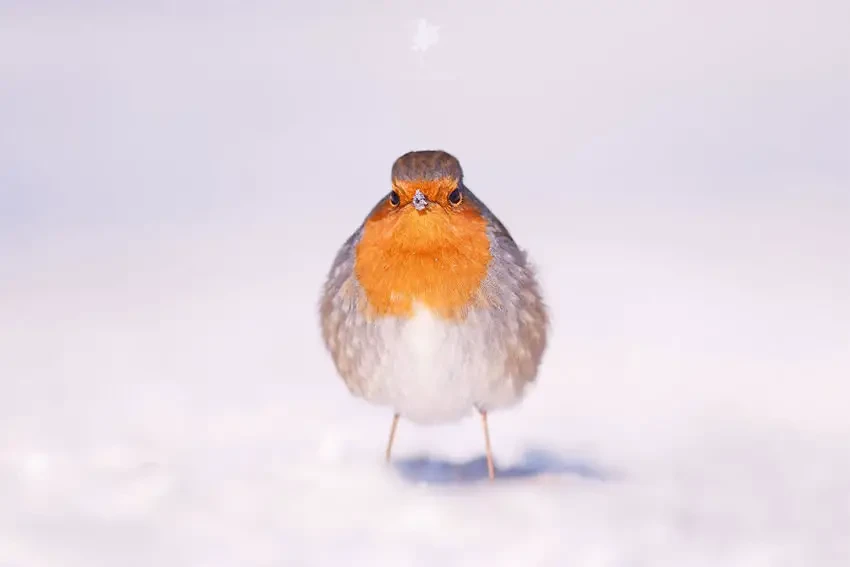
430	308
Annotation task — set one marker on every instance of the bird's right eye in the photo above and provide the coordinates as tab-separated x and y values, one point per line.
394	199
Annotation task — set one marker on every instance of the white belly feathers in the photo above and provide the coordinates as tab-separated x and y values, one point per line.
432	370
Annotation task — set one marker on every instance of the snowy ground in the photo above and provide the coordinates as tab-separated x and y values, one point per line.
175	182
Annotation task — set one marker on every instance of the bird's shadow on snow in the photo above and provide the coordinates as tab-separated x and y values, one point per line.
533	464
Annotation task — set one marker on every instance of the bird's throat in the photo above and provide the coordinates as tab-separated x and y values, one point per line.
438	267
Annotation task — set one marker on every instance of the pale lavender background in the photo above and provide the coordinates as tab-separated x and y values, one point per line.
175	179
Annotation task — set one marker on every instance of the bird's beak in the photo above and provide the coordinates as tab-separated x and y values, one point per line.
420	201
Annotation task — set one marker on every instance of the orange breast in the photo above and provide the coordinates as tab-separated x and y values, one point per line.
438	258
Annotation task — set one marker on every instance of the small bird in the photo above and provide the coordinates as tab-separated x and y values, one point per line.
430	308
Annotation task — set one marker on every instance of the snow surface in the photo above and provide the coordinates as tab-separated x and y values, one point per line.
176	179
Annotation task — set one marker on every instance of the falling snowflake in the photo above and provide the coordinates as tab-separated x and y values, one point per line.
427	35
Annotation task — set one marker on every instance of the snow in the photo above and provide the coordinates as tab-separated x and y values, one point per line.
175	183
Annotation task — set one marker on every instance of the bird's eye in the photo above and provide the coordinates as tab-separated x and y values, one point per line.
394	199
455	197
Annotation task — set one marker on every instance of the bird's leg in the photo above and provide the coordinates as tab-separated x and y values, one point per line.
490	470
392	436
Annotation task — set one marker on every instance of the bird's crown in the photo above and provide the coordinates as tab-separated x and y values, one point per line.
427	165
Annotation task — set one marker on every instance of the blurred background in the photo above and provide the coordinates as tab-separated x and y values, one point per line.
175	178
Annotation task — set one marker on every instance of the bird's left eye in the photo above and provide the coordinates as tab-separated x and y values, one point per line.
455	197
394	199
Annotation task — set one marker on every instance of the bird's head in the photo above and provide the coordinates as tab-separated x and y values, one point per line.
426	207
428	237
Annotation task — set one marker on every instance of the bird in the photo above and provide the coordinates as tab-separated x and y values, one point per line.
430	308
